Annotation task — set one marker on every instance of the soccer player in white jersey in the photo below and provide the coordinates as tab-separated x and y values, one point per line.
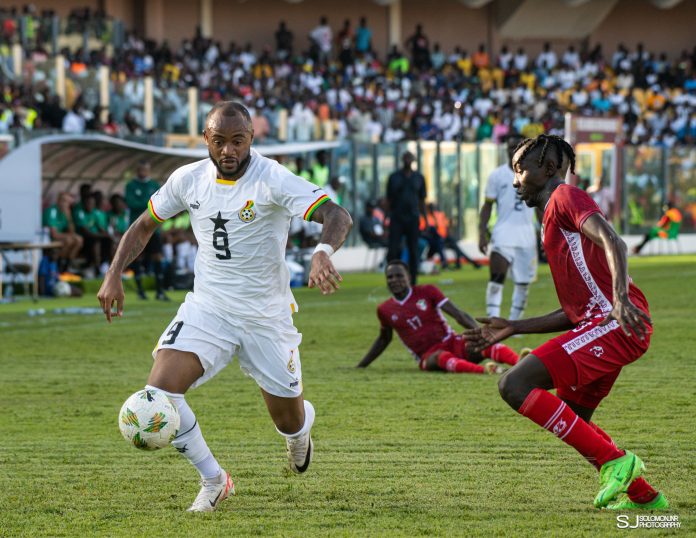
240	204
513	241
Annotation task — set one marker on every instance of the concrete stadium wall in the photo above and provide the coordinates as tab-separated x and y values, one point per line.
660	30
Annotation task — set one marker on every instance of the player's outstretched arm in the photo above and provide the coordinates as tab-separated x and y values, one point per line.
132	244
337	224
464	319
379	345
630	317
493	330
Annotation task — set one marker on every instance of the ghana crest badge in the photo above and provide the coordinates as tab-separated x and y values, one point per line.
247	213
291	362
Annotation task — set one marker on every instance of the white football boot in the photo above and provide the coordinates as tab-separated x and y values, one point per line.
212	493
300	449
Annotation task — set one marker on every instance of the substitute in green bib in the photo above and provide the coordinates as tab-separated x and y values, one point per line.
138	193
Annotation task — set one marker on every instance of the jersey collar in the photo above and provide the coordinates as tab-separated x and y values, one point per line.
408	296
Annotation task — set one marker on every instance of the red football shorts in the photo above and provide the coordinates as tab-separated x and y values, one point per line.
455	344
585	362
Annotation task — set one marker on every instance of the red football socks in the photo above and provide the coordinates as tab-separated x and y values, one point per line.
639	491
449	362
553	414
501	353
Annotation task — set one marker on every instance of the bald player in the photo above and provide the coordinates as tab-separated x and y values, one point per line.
240	204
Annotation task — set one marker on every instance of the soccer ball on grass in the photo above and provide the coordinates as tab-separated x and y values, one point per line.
149	420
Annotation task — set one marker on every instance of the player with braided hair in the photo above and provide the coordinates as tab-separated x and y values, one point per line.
605	314
563	150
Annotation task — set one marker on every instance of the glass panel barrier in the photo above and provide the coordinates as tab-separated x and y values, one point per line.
681	188
171	109
643	188
469	191
449	199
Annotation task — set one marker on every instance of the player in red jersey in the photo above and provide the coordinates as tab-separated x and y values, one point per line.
415	313
605	314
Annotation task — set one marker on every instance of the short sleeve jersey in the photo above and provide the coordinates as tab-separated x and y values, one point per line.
87	220
241	228
138	194
55	218
119	221
417	319
579	267
515	224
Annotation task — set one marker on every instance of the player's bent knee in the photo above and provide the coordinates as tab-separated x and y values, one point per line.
513	388
174	370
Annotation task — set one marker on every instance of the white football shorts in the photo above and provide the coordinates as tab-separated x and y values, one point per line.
522	260
268	354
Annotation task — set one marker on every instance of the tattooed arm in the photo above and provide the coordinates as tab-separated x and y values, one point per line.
337	224
129	248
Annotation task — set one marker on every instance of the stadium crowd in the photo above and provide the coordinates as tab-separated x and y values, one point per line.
333	84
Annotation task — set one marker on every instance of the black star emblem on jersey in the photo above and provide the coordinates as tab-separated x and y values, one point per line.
220	222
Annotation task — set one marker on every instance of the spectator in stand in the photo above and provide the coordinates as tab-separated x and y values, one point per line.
322	37
521	60
334	190
58	218
371	227
320	169
363	37
603	197
437	57
547	59
74	122
571	58
653	93
480	59
300	169
260	124
344	44
284	39
111	128
397	62
419	44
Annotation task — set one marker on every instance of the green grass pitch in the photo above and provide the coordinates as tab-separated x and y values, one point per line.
399	452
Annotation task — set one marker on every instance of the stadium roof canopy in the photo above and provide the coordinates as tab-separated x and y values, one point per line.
52	164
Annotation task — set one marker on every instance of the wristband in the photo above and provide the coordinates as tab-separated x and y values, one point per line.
324	247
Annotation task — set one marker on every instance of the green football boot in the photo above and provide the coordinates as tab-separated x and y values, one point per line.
616	475
658	503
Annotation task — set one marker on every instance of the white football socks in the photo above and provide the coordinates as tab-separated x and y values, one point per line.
189	442
309	420
519	300
494	298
